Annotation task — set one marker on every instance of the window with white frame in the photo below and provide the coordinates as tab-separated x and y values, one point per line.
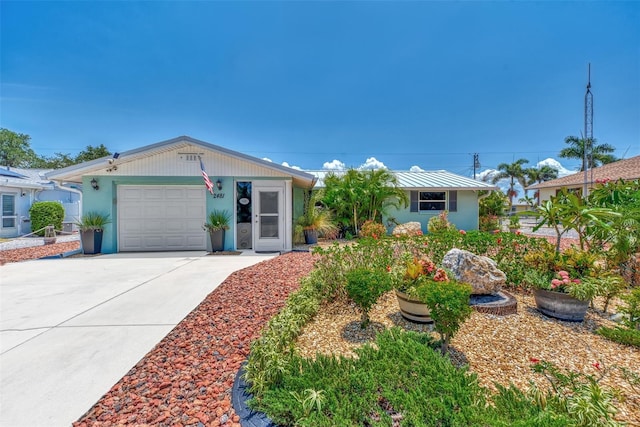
9	217
429	201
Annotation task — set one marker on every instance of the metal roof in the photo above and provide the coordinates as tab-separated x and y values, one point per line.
24	178
434	180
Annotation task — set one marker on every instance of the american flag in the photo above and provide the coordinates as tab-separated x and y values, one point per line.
207	181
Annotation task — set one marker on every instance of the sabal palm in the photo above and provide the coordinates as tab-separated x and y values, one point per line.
514	172
597	154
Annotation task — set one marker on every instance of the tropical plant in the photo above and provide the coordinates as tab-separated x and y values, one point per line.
372	229
597	154
514	172
439	223
93	221
539	175
356	196
316	217
217	220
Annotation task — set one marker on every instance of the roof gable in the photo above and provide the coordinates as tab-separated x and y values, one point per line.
105	164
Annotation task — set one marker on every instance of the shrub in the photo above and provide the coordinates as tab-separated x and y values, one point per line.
632	309
43	214
365	287
449	306
372	229
440	223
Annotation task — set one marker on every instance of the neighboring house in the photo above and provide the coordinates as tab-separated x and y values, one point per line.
628	169
157	200
430	193
20	188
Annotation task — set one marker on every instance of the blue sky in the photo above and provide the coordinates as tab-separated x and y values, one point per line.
408	83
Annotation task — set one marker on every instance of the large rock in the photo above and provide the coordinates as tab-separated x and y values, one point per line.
480	272
408	228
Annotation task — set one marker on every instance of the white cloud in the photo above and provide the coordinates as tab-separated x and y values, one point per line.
334	165
266	159
298	168
371	164
562	171
416	168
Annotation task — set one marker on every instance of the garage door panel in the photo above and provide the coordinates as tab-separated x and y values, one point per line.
161	218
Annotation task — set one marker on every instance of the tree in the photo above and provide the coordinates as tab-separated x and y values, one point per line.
597	154
357	196
539	175
514	172
92	153
15	149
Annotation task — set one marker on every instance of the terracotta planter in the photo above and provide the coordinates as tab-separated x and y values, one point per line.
413	309
559	305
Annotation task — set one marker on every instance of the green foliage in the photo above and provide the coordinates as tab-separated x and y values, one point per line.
579	396
514	172
372	229
46	213
356	196
15	149
365	287
632	309
440	223
217	220
609	286
272	353
316	217
598	154
621	335
493	204
93	221
449	306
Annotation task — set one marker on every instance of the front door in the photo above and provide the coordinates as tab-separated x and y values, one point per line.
269	219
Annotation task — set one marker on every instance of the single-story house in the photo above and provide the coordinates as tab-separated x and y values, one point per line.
20	188
157	200
430	193
627	170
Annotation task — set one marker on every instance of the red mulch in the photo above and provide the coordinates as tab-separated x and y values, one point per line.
187	378
35	252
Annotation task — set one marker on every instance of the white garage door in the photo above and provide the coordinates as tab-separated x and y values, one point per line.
161	218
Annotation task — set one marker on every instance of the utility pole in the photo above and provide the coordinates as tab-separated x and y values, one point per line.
476	164
588	131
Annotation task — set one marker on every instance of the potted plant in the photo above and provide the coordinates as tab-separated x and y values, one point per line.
563	284
409	274
217	223
315	220
91	227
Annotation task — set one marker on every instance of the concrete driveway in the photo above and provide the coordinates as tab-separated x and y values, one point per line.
71	328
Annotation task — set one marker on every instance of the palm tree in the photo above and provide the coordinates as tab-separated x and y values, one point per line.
597	154
539	175
514	172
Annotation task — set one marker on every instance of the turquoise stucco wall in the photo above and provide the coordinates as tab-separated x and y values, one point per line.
104	200
466	218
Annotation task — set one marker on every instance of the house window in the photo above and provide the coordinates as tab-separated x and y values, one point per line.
8	202
429	201
432	201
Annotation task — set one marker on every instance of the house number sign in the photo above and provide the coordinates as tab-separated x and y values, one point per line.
218	195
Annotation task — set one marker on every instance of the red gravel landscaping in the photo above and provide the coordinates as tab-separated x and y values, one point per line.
186	379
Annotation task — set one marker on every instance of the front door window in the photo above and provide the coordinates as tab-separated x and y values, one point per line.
8	210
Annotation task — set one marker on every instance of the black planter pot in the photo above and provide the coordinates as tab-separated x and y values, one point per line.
91	241
311	237
217	240
559	305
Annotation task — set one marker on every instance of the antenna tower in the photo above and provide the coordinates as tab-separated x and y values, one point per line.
588	131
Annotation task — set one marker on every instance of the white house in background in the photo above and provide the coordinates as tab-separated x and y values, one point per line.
20	188
432	192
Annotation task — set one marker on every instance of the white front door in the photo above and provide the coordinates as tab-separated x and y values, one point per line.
268	218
